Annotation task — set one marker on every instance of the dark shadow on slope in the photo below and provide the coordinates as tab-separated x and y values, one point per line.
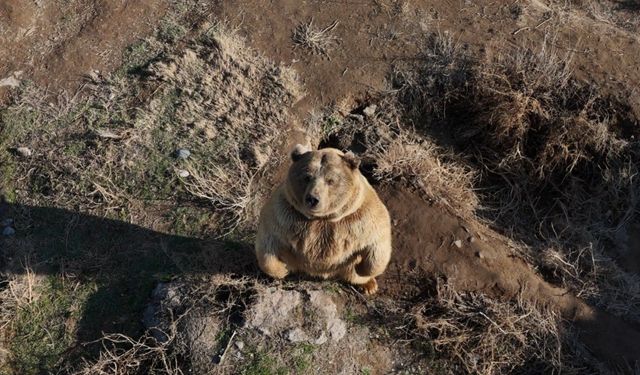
628	5
122	260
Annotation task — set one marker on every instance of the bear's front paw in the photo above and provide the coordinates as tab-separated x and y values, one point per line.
273	267
370	287
279	273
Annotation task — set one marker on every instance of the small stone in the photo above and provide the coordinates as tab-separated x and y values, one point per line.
472	239
106	133
8	231
337	329
182	153
321	339
370	110
9	82
25	152
182	173
297	335
480	255
458	243
239	345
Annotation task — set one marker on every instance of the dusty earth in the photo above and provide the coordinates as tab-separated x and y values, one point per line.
55	43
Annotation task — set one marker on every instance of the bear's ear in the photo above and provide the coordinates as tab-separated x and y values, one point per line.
352	160
298	151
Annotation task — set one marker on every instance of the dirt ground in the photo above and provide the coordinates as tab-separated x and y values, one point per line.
54	44
373	36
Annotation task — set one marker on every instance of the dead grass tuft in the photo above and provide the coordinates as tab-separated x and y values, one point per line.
317	40
124	355
392	152
473	333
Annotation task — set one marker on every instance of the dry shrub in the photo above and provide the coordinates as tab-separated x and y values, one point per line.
475	334
399	154
558	161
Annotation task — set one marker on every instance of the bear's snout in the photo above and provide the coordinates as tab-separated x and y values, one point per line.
311	201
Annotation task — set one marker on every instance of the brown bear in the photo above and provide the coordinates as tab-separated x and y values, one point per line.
325	220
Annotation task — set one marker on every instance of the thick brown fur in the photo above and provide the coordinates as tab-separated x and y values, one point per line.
346	235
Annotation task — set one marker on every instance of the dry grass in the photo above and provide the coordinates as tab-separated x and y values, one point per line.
392	152
123	355
233	103
195	320
317	40
472	333
557	161
109	150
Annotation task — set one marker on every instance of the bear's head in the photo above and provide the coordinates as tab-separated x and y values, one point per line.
322	183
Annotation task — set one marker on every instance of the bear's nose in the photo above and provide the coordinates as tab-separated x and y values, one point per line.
312	201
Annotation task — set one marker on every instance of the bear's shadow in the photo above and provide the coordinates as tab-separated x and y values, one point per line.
121	262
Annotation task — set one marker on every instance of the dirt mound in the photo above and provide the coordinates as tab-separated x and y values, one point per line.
428	241
298	330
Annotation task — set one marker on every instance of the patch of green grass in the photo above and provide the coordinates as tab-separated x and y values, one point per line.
15	123
74	148
136	56
45	328
332	287
302	358
330	124
352	316
170	31
264	364
190	221
365	371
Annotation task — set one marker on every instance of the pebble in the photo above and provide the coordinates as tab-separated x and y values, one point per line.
472	239
458	243
182	173
182	153
8	231
239	345
106	133
370	110
24	151
480	255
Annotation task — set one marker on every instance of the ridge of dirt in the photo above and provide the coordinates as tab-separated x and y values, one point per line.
425	242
